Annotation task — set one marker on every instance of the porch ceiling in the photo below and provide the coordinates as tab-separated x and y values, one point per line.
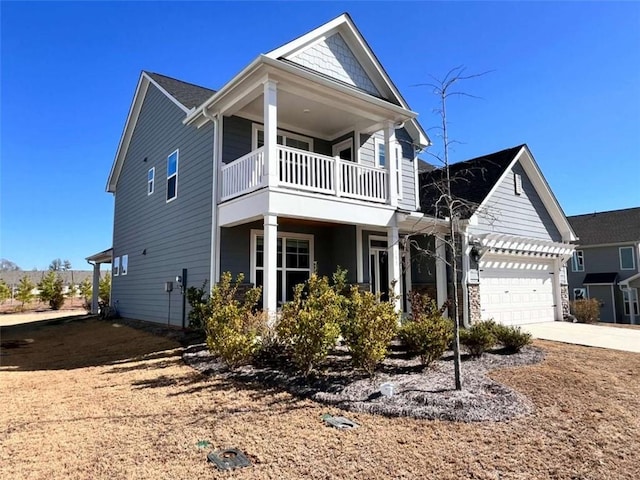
313	117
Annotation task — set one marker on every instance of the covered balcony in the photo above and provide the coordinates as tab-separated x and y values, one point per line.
308	171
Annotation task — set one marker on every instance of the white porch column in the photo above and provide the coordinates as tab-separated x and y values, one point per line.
270	279
390	163
393	240
407	272
359	255
441	271
271	166
95	296
557	289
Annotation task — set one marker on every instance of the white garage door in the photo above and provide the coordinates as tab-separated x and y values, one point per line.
516	291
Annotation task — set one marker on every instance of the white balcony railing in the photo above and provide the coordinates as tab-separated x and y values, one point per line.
243	175
308	171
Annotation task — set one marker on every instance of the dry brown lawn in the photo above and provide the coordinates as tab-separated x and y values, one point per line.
90	399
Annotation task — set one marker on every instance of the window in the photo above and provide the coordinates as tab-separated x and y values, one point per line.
577	262
381	161
294	262
627	258
517	182
380	152
630	300
172	176
579	294
283	138
124	264
116	266
150	177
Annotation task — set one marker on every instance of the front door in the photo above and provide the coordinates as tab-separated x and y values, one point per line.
379	267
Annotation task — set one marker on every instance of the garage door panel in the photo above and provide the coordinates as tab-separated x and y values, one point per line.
516	292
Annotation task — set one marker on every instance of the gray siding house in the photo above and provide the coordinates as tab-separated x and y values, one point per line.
605	264
307	159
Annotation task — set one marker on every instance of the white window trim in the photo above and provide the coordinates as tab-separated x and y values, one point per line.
256	127
116	267
633	258
585	293
124	264
177	152
281	270
574	263
151	182
399	169
398	157
628	301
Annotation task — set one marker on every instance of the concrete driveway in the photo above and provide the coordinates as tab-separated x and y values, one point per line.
603	336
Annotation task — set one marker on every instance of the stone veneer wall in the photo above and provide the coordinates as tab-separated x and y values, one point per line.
475	314
564	298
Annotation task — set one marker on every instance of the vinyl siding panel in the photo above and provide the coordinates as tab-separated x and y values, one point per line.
523	215
174	235
333	246
367	157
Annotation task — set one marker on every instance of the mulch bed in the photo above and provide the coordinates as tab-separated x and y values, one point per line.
419	393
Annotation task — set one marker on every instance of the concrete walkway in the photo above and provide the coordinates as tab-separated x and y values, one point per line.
603	336
9	319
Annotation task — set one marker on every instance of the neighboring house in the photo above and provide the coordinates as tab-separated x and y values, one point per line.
306	159
514	234
605	264
69	277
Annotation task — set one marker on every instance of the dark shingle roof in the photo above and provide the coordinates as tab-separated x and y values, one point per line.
471	180
424	166
596	278
615	226
187	94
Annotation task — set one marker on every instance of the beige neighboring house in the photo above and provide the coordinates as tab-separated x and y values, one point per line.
69	277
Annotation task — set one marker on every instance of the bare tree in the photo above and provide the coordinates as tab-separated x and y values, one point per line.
448	208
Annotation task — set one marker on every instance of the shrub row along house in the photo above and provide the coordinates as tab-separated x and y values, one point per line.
605	265
308	159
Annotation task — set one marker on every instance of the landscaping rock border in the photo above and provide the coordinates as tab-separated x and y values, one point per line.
427	394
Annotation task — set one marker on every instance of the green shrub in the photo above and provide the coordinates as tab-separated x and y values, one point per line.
51	287
512	338
479	338
104	288
428	338
587	310
428	333
86	293
5	291
310	323
233	329
200	306
369	328
25	291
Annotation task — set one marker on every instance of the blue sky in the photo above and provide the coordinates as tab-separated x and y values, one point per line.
565	79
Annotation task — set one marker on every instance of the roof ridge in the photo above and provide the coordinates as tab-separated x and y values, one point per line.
177	80
603	212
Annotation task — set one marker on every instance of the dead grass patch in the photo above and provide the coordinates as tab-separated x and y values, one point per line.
90	400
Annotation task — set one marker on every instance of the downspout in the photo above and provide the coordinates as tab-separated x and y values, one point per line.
214	201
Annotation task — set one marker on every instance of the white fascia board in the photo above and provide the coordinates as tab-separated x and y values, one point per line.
132	120
627	281
550	202
127	132
196	113
167	94
548	198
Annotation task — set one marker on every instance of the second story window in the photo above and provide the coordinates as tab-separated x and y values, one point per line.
627	258
150	180
577	262
287	139
172	176
116	266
